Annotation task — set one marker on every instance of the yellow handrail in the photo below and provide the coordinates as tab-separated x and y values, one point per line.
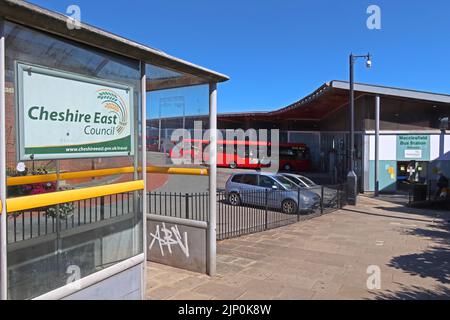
17	181
49	199
183	171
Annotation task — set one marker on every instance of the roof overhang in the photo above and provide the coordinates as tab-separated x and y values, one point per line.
33	16
332	96
394	92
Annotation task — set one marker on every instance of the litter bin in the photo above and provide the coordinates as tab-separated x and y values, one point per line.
419	192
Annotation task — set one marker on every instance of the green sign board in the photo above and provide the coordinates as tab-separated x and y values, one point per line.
64	115
413	147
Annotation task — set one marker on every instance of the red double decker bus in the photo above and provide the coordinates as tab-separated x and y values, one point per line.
294	157
230	154
246	154
241	154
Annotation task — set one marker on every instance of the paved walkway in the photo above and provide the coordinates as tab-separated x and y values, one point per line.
326	258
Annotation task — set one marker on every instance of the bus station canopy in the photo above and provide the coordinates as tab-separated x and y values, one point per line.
330	97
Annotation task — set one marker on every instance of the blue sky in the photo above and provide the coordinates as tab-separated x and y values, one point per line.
278	51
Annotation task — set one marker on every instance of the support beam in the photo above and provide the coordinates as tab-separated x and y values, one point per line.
171	83
211	232
144	174
377	145
3	216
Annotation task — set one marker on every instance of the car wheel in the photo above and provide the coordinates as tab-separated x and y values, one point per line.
287	167
234	199
289	207
233	165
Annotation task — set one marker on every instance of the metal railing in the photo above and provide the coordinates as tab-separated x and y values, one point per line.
258	211
39	222
255	210
191	206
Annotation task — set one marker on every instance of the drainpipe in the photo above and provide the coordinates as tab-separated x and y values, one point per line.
377	145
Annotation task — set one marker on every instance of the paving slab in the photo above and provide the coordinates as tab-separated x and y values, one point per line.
328	257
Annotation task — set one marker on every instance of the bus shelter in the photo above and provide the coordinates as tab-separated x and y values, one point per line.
75	166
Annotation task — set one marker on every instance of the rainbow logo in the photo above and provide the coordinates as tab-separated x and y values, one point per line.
115	104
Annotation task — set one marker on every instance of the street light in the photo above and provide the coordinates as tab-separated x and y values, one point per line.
352	178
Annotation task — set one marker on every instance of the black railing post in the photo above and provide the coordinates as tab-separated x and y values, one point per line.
187	205
102	208
267	210
321	199
338	202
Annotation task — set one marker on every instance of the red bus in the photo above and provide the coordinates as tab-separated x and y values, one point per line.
235	159
152	143
293	157
250	159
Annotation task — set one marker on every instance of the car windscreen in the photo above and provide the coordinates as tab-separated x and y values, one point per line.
268	182
288	184
296	181
308	182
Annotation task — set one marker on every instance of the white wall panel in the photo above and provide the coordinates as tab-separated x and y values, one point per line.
388	147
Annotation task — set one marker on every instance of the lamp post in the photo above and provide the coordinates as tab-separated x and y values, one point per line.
352	178
177	102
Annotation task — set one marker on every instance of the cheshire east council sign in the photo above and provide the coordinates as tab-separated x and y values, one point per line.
63	115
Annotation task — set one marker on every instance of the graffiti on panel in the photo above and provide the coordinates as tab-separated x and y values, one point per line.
166	238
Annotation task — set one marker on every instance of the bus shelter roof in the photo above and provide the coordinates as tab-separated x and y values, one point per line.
184	73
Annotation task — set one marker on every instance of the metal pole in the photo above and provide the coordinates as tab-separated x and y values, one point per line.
186	204
321	199
58	219
3	217
377	145
184	116
159	129
211	249
352	179
144	173
266	212
352	115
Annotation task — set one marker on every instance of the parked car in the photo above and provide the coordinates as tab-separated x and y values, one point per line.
274	189
329	195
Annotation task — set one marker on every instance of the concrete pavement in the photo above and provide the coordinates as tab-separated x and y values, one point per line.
326	258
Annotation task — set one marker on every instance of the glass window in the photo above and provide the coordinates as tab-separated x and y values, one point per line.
178	119
286	182
250	179
267	182
296	181
308	182
53	246
237	178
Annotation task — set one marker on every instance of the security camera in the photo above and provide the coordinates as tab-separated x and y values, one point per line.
444	124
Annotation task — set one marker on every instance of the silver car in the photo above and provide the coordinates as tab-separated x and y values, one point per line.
329	195
273	190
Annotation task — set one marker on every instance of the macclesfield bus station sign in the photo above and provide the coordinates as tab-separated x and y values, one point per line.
64	115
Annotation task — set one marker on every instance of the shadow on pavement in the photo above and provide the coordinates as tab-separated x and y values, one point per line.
416	293
434	262
385	215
